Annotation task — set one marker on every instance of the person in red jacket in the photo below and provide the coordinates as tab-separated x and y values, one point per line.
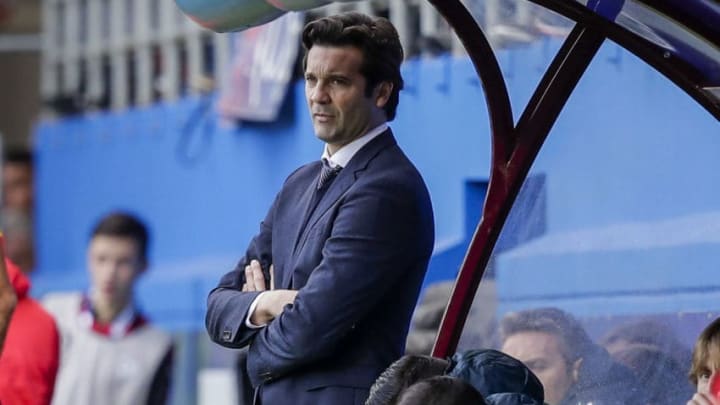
8	300
29	360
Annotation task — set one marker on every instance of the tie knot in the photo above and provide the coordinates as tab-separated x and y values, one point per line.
327	174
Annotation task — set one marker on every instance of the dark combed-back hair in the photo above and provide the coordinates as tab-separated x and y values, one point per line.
575	342
707	342
403	373
375	37
124	225
441	390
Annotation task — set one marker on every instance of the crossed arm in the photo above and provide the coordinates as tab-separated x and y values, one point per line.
372	242
270	303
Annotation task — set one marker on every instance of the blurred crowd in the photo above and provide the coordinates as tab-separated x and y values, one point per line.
636	362
79	347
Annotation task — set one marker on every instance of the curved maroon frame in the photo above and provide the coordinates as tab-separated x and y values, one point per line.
514	148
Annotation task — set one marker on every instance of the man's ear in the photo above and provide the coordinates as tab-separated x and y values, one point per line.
382	93
576	369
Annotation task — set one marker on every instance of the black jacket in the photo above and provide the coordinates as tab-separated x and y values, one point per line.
501	379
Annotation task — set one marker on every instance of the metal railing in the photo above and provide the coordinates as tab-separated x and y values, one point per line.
99	54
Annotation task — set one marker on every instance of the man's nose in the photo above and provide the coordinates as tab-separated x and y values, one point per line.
111	270
319	95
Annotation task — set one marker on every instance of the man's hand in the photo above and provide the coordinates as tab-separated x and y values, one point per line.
271	302
255	279
703	399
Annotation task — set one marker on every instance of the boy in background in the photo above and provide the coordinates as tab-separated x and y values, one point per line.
110	353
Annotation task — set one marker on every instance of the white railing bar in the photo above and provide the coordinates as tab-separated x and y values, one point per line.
169	85
194	49
143	57
70	54
399	16
221	46
93	47
21	42
118	56
49	83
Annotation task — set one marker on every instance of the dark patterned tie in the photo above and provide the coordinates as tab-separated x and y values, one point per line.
327	174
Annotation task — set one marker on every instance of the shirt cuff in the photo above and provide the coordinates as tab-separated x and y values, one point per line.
251	311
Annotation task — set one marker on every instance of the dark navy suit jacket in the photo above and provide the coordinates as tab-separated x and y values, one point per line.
358	265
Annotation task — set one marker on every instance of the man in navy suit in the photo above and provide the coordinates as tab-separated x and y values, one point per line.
324	294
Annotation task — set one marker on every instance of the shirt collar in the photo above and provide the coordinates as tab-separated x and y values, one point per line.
342	156
123	323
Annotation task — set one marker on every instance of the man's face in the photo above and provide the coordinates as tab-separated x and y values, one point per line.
541	352
335	93
17	186
114	264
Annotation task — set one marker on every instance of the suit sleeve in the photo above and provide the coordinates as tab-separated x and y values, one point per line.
373	241
228	306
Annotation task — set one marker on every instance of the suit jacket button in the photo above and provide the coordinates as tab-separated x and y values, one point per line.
226	336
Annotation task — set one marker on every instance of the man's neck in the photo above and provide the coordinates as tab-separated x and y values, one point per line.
107	312
331	150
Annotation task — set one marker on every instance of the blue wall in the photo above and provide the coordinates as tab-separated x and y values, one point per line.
633	207
204	209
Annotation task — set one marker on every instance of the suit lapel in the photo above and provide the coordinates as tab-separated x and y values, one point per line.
299	221
344	180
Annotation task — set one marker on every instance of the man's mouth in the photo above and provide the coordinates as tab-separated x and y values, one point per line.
320	117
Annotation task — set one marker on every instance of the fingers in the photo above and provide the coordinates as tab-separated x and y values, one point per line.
258	276
272	277
249	280
254	279
702	399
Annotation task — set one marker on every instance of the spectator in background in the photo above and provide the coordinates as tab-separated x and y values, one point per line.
17	227
17	207
110	353
570	366
8	301
660	374
441	390
29	361
646	332
706	364
481	320
17	178
403	373
426	318
497	377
